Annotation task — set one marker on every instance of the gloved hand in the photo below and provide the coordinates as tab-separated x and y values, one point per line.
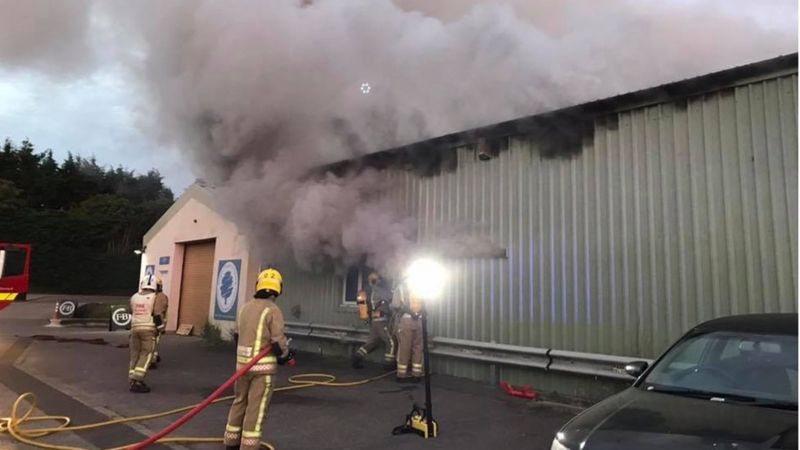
236	338
286	359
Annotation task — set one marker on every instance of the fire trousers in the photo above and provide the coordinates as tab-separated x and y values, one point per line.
379	331
141	345
159	332
252	394
155	347
409	348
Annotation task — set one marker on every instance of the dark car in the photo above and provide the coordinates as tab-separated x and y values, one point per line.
729	383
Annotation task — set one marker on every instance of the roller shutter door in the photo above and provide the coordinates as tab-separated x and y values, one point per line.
198	268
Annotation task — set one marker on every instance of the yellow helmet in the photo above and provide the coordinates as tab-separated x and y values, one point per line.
270	280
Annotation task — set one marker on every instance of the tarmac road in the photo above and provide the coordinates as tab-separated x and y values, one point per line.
89	383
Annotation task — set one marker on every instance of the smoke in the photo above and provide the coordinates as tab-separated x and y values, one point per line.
259	92
51	37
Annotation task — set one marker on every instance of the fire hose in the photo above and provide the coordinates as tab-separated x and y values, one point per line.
13	425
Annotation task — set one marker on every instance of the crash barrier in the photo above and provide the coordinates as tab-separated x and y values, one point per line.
119	317
71	312
592	364
15	425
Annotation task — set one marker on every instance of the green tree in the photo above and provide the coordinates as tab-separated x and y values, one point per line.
10	196
77	211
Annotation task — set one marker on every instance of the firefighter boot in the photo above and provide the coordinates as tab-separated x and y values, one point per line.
139	387
358	361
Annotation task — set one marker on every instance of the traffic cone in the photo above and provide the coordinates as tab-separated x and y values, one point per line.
55	321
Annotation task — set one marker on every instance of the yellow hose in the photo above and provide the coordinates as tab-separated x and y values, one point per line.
13	425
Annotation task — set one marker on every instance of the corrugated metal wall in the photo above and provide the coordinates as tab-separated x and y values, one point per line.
670	215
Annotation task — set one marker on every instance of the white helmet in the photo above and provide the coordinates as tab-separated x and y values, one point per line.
150	281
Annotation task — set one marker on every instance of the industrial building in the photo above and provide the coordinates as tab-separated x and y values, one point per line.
624	222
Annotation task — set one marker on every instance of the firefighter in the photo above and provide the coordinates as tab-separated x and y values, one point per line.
148	311
408	309
260	324
160	329
380	322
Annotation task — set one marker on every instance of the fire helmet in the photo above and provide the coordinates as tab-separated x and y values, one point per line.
150	281
271	281
373	278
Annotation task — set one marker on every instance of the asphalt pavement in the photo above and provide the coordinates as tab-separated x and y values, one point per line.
82	372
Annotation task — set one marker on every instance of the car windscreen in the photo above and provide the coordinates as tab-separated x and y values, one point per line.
745	365
13	262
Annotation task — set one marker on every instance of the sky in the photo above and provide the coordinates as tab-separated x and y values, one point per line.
94	105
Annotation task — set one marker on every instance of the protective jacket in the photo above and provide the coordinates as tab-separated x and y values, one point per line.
149	310
380	299
260	325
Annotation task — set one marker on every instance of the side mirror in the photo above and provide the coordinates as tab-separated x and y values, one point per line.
635	368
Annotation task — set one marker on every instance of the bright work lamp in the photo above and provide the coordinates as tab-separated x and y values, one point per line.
426	278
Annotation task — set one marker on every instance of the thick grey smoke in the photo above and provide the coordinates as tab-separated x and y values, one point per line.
259	92
51	37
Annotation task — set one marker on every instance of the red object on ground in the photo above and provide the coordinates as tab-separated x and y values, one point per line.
526	391
174	425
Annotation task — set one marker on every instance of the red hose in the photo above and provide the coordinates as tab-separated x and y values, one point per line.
174	425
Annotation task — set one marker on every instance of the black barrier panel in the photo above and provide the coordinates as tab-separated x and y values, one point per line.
67	308
120	317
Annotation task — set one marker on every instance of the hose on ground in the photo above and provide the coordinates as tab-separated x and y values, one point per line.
17	425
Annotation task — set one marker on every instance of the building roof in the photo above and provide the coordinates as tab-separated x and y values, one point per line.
563	123
199	191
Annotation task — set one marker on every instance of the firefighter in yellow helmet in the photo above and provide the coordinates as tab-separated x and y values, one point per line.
161	298
379	299
408	308
148	311
260	324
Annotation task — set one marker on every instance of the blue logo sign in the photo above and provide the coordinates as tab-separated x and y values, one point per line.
164	260
227	292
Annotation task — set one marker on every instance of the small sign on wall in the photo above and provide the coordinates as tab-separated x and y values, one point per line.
163	261
227	291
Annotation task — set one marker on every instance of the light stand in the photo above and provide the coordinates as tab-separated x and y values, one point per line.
426	360
420	420
426	279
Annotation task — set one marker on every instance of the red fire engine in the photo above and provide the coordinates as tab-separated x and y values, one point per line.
15	265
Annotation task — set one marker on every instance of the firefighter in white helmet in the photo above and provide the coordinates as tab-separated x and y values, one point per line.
161	298
380	322
147	310
260	324
408	309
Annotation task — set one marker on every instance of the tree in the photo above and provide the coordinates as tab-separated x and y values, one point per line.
10	196
78	212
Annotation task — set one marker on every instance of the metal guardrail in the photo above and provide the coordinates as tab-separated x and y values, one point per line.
591	364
